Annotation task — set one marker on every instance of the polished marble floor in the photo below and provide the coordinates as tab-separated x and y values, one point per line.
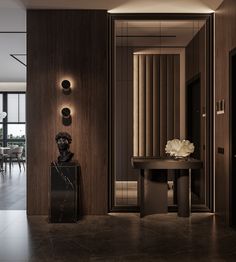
13	188
116	237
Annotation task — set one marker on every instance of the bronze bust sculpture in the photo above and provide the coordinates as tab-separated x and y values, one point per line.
63	140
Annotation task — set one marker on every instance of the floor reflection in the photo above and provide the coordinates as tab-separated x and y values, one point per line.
116	237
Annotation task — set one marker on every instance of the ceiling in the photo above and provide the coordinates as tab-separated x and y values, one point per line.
157	33
13	19
12	47
124	6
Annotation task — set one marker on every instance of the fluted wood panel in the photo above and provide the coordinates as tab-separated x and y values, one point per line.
142	106
156	105
136	106
170	97
176	96
163	103
69	44
149	105
156	95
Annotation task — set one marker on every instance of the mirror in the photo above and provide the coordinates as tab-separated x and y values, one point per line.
160	91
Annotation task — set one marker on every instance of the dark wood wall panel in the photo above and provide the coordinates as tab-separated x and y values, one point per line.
67	45
196	67
156	101
155	79
142	106
135	106
149	105
177	96
124	115
163	104
170	97
225	41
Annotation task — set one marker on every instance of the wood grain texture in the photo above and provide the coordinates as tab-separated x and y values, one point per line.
149	105
196	67
163	104
123	115
225	41
135	106
157	82
176	96
142	105
170	98
67	45
156	105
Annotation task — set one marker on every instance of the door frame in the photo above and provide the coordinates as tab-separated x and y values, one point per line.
232	53
207	207
209	100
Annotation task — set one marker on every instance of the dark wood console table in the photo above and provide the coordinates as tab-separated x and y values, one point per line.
153	186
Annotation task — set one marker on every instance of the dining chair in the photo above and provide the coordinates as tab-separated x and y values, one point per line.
16	154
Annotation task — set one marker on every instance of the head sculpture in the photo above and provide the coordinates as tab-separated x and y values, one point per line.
63	140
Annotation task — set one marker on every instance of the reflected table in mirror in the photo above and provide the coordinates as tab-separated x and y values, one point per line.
153	183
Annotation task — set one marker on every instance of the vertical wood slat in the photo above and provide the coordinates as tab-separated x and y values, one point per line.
156	108
163	104
170	98
149	105
156	102
176	96
142	106
136	106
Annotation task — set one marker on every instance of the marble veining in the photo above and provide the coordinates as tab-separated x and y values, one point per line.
116	237
63	192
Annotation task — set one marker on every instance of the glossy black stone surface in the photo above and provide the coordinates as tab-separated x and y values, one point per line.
116	237
63	197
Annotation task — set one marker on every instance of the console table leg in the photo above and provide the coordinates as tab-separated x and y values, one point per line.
153	189
184	193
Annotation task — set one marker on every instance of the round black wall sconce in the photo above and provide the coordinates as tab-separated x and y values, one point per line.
66	87
65	112
66	116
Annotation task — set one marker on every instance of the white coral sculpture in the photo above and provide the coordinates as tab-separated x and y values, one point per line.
179	148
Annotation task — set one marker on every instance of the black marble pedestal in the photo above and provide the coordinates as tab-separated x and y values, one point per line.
63	192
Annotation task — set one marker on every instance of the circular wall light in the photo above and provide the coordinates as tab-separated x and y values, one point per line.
66	87
65	112
65	84
66	116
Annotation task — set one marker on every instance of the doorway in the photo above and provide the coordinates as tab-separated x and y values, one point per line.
13	120
232	155
194	135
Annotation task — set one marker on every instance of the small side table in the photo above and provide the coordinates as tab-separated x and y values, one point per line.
63	192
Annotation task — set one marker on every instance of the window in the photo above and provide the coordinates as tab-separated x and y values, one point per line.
12	127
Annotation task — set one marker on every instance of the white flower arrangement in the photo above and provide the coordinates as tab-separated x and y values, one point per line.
179	148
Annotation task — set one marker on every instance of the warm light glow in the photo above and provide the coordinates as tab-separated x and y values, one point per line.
66	77
163	6
65	112
66	84
67	106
